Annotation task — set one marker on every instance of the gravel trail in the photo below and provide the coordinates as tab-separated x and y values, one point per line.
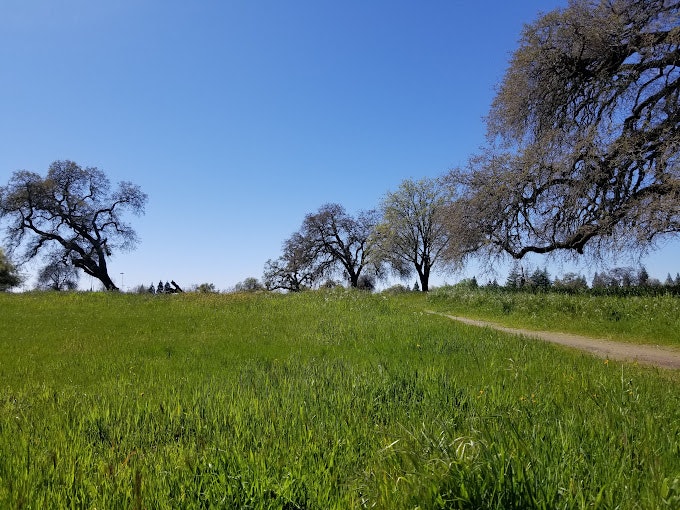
664	357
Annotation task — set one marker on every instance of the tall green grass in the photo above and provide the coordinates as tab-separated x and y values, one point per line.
642	319
320	400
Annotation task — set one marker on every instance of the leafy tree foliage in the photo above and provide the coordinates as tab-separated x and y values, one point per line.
329	283
621	278
516	277
57	274
9	276
396	289
540	279
412	236
366	282
250	284
599	281
571	282
468	283
74	211
142	289
336	240
584	138
296	269
206	288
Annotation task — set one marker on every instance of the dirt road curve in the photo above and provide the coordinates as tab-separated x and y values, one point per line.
664	357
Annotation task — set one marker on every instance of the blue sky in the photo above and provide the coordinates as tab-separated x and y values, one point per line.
238	117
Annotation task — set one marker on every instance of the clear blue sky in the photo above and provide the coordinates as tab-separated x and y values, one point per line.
238	117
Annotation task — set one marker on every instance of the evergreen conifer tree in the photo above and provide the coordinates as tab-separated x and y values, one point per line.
514	280
643	277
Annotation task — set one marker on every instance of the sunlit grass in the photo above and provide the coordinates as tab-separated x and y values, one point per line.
641	319
320	400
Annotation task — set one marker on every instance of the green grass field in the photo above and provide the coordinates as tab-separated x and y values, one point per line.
650	319
315	401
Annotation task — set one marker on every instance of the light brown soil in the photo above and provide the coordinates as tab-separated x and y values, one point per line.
664	357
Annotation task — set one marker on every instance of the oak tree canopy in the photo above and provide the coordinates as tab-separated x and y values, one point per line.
412	236
337	240
584	142
297	268
72	212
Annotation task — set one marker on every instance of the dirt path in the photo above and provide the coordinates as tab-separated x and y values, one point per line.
665	357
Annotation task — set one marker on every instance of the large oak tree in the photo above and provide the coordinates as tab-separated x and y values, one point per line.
297	268
584	140
72	211
335	239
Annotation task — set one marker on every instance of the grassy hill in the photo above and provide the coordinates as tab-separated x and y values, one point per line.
652	319
321	400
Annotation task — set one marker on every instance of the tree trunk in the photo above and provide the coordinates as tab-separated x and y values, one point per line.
424	282
96	271
424	276
107	282
104	277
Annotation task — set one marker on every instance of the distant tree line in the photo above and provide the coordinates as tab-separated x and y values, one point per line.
407	235
618	281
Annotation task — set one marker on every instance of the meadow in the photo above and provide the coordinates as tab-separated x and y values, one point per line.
322	400
652	319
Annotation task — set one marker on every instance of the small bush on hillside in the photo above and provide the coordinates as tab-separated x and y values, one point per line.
396	289
206	288
250	284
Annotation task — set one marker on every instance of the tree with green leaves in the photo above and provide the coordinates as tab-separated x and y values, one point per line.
571	282
9	276
540	279
206	288
515	279
74	211
412	236
250	284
